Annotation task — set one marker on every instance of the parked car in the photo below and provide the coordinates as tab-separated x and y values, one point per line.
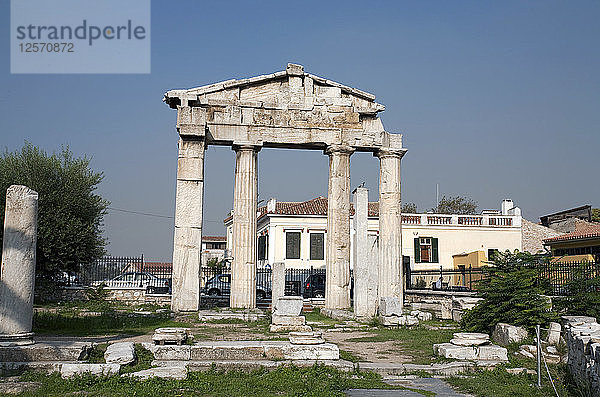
152	283
314	286
220	285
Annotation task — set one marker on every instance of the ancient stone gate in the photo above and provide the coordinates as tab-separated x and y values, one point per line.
287	109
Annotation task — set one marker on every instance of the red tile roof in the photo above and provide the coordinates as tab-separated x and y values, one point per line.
583	230
214	238
316	206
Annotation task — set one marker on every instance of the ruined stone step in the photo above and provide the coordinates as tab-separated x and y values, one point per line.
244	350
7	368
46	351
251	365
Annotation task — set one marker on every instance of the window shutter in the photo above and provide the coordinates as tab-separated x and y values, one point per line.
434	250
417	251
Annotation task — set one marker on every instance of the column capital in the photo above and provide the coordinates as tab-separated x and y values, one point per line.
245	147
344	149
384	152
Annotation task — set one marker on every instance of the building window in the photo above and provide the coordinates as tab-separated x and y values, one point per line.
317	246
492	252
426	250
262	248
292	245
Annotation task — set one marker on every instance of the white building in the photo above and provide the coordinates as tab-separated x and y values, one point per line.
295	233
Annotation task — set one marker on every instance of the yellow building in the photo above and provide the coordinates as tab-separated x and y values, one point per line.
582	245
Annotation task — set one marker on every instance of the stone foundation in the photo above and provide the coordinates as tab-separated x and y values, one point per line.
583	345
126	295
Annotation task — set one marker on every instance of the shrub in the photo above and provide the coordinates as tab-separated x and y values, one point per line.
513	293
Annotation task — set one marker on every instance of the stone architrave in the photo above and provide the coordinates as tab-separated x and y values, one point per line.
243	266
278	283
17	276
287	109
390	225
187	246
365	271
337	261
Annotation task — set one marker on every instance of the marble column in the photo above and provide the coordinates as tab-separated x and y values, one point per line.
390	225
365	267
337	285
17	276
187	246
243	267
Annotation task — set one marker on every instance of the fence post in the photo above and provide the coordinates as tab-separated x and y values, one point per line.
539	354
470	277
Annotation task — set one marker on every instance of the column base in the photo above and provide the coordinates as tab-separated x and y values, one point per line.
16	339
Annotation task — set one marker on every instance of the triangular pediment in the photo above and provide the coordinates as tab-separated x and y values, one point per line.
291	86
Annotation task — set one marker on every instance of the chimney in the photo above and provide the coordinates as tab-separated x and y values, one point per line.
271	204
507	204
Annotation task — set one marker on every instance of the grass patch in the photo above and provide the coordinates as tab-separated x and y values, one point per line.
499	383
143	360
349	356
286	381
416	342
110	322
316	315
97	354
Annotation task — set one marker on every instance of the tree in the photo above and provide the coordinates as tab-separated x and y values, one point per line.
70	213
512	293
595	214
456	205
409	208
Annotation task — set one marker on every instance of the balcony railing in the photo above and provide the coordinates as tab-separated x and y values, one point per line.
462	220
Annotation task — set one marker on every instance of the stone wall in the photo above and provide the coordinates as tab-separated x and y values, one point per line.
583	345
127	295
533	236
447	305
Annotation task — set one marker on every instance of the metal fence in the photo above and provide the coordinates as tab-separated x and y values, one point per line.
122	272
562	277
463	279
309	283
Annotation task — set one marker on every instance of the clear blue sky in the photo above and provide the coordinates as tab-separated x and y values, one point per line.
496	99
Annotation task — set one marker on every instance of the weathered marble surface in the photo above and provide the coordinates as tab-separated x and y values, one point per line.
337	260
243	266
278	283
120	353
17	277
365	263
187	244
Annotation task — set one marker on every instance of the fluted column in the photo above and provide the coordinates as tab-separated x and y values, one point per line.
243	267
337	286
187	246
390	225
17	275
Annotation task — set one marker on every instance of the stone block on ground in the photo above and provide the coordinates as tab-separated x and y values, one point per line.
492	353
450	350
289	328
481	353
505	334
289	305
470	339
120	353
306	338
323	351
171	335
169	352
70	370
422	316
404	320
390	306
279	319
554	334
167	372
